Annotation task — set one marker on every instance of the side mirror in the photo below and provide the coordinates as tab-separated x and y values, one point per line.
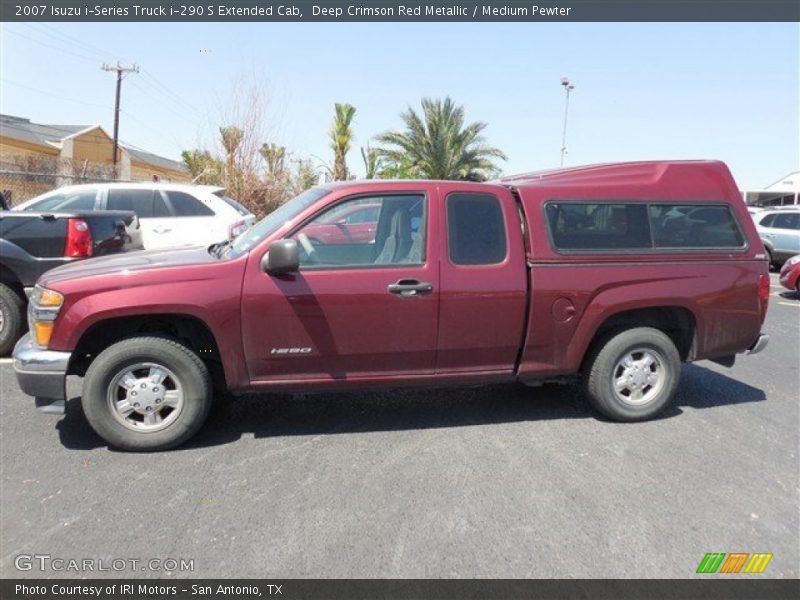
283	257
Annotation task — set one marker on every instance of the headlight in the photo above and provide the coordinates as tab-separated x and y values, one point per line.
42	312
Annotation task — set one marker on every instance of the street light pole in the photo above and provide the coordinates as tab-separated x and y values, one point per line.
568	87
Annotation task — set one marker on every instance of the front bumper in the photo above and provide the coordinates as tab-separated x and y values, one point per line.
42	374
761	342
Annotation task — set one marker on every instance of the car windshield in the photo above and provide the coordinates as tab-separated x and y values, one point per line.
269	224
232	203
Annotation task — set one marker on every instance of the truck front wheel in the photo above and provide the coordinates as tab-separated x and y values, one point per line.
12	318
146	394
633	375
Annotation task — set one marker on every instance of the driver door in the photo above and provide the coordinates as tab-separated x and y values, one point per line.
360	306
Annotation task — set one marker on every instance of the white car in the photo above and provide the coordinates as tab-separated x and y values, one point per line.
170	214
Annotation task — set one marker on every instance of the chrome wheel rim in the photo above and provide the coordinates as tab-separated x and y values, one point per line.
638	376
145	397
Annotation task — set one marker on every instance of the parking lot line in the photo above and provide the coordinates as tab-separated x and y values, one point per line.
5	361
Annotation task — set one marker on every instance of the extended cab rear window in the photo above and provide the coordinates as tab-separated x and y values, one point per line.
620	226
476	233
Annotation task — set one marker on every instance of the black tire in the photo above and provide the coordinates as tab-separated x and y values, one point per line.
12	311
603	369
186	366
771	266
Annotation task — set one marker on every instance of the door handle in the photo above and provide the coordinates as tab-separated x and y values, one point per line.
162	230
410	287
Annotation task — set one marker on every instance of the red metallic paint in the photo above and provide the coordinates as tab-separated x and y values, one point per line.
790	276
472	327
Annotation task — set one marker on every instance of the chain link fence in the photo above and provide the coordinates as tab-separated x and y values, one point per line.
23	178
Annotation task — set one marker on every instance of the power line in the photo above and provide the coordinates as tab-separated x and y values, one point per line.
164	105
169	93
52	95
60	49
68	38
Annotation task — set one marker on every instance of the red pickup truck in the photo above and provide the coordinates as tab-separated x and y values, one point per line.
614	273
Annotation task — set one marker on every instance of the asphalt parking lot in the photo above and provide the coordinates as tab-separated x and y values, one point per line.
500	481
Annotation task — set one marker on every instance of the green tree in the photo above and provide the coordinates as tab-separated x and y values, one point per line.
204	167
372	161
231	140
341	135
438	145
305	177
275	157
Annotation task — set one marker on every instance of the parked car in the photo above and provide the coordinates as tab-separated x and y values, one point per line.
533	278
32	243
170	214
790	274
354	224
779	230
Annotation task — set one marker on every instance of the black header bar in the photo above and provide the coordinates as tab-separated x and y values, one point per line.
396	589
533	11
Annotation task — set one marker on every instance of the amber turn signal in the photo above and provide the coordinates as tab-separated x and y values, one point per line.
42	330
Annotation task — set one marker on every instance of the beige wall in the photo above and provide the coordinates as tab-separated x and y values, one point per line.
94	146
143	172
89	153
11	150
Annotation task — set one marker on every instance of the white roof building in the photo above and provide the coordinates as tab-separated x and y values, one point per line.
785	190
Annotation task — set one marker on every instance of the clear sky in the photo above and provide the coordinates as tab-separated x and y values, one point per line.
726	91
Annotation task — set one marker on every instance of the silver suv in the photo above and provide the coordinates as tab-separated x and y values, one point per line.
779	230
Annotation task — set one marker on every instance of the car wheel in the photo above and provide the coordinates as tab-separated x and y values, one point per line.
633	374
770	262
12	318
147	393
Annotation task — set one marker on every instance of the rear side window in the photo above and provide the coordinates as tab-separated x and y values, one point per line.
598	226
145	203
787	221
612	226
476	232
693	226
767	221
186	205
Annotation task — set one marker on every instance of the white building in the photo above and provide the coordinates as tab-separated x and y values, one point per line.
784	191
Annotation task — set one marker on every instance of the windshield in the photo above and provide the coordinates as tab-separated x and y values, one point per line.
269	224
232	203
65	200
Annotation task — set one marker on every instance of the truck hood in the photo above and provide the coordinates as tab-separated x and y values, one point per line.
129	262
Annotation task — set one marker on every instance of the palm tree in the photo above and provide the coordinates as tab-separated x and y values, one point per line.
195	161
439	145
204	167
306	176
372	161
231	139
341	135
275	157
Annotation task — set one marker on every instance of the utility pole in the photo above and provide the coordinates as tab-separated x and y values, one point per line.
120	70
568	87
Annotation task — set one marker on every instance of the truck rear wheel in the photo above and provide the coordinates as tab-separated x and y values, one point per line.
12	318
146	394
633	375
